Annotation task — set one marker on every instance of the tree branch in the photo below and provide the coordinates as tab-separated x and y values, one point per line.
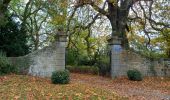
98	9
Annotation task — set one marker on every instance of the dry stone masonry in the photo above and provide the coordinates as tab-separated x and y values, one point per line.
43	62
124	60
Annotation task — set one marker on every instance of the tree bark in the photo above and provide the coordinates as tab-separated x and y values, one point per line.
118	19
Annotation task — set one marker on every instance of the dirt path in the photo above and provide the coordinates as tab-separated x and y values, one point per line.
148	89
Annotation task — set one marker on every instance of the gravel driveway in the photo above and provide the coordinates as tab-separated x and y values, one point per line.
151	88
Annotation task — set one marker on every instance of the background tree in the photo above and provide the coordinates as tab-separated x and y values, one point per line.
40	19
3	10
86	40
118	13
13	39
150	27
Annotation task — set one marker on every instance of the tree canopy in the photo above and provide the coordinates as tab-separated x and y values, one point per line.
140	24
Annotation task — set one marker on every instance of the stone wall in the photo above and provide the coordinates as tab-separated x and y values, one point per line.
124	60
42	62
131	60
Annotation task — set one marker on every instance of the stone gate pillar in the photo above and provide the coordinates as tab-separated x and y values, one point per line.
115	59
61	38
50	58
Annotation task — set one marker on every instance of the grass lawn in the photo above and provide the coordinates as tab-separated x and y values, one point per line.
19	87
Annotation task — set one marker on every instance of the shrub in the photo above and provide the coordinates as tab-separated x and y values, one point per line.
134	75
5	66
84	69
60	77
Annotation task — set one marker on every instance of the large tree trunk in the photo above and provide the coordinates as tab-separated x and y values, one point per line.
118	19
122	25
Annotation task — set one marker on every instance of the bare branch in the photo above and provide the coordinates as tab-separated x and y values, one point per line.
144	26
98	9
70	18
134	1
93	21
92	3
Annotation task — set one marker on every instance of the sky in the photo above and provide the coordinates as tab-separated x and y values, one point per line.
26	1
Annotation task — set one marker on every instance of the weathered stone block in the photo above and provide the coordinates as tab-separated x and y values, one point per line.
42	62
125	60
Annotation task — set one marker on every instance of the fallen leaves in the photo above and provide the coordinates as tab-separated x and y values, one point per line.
83	87
155	88
16	97
18	87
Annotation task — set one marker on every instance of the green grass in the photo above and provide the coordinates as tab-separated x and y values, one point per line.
32	88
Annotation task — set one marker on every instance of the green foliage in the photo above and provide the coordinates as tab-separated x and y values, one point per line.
134	75
104	66
163	41
13	40
76	58
71	57
57	10
84	60
5	65
80	62
60	77
84	69
143	50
